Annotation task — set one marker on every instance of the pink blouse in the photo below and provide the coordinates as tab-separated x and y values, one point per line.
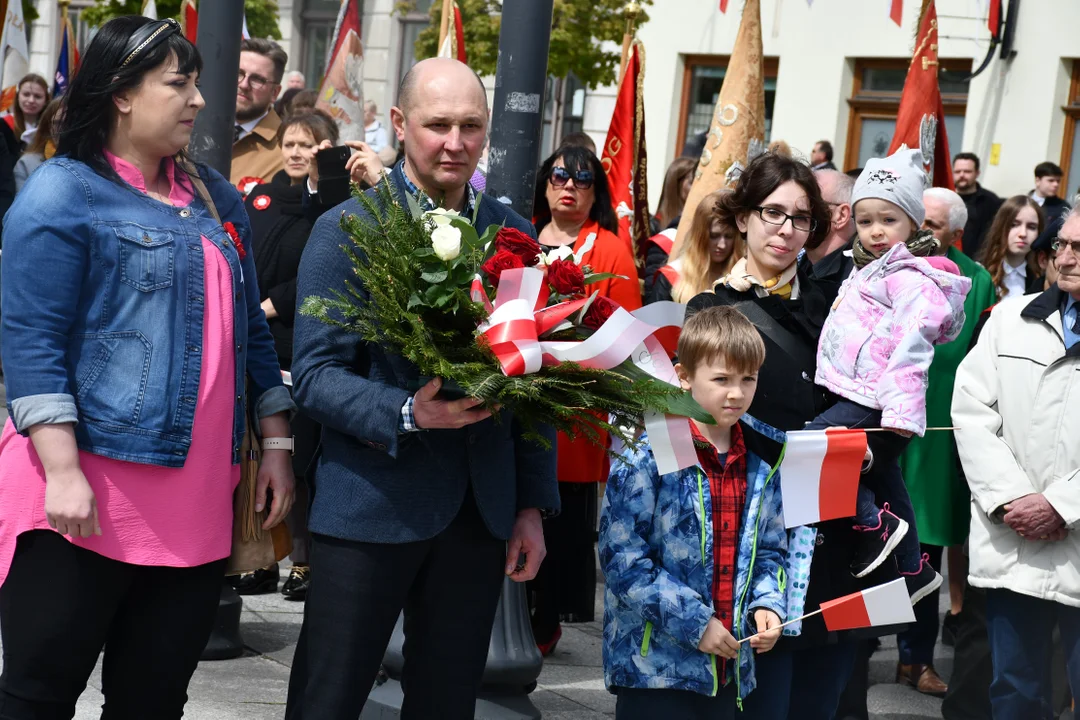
150	515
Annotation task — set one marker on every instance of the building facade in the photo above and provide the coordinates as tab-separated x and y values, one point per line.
834	70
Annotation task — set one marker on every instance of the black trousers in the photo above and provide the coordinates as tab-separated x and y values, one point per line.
61	604
449	589
652	704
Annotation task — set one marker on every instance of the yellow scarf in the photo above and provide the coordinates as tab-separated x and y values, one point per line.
785	284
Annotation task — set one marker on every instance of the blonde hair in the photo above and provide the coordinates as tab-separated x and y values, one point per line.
721	332
697	273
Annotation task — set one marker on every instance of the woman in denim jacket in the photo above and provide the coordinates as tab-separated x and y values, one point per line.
131	327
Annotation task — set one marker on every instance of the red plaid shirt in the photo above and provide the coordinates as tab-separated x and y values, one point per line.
727	490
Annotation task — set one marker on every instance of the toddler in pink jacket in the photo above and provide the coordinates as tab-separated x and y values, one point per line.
875	351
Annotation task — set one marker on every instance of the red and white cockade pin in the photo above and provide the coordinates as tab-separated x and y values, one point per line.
262	202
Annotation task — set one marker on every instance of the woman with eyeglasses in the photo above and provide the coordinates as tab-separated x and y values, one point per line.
1006	251
779	211
134	346
573	215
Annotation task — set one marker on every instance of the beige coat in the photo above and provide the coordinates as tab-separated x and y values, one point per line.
1017	409
258	155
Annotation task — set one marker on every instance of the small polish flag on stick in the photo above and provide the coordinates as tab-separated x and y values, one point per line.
887	604
819	475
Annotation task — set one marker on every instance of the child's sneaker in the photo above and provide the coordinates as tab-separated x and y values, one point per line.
877	543
923	582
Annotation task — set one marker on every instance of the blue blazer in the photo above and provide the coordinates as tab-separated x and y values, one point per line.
374	484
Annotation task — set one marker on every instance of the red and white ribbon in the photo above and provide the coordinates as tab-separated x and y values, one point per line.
519	319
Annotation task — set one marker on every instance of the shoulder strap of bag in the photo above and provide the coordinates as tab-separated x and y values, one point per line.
776	332
200	188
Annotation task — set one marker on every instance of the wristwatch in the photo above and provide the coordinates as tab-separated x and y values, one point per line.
277	443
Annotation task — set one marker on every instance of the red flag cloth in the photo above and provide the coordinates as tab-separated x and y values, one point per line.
459	35
348	19
887	604
624	157
896	12
723	6
189	17
994	19
920	123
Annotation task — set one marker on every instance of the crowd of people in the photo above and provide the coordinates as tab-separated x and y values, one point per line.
815	299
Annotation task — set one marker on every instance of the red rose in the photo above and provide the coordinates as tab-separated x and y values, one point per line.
598	313
566	277
502	260
518	243
231	229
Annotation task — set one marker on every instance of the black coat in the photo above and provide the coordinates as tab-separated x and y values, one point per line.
787	398
282	216
982	206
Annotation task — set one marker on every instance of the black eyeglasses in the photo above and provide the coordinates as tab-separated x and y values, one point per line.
772	216
583	179
1060	244
255	82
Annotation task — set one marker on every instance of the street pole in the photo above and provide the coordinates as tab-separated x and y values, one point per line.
220	30
517	118
514	662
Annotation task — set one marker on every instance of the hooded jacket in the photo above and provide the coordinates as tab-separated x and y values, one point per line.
878	342
656	551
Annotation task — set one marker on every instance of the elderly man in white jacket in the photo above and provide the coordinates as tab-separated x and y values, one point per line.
1017	410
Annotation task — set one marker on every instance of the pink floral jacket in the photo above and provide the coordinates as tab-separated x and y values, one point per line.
878	341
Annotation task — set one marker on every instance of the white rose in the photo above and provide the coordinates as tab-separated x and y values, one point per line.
441	216
446	240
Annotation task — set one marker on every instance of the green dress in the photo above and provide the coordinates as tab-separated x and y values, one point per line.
940	498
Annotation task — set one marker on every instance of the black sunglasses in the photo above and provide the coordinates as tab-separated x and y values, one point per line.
583	179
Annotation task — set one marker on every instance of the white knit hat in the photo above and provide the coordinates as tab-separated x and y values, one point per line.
899	179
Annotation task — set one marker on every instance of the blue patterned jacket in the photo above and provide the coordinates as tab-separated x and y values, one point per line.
656	550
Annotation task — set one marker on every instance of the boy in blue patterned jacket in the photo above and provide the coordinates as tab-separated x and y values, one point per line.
698	559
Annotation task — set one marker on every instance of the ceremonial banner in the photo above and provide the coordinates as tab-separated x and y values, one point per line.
887	604
150	9
67	64
896	13
453	45
624	157
342	92
189	20
737	133
14	54
920	122
819	475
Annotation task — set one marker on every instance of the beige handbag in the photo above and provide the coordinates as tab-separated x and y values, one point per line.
252	547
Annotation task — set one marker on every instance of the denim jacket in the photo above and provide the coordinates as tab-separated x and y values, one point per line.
103	313
656	551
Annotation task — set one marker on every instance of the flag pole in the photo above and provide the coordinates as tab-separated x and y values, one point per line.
444	24
789	622
631	11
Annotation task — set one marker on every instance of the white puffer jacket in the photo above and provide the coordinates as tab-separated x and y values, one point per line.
1017	409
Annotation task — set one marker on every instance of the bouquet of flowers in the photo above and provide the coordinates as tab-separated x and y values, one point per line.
500	320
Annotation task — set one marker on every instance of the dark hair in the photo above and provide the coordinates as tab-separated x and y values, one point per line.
579	139
303	99
826	147
671	199
761	178
967	156
46	129
854	173
281	107
575	159
89	111
1048	169
268	49
319	124
17	111
996	245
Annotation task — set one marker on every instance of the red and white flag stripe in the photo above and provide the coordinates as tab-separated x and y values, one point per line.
819	475
887	604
